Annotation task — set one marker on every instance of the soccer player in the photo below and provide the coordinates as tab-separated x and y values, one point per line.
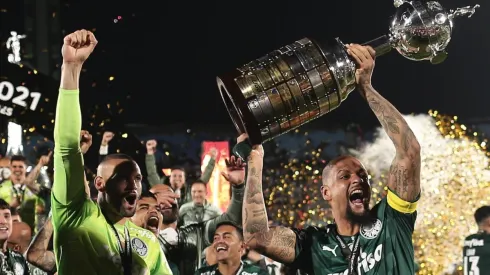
89	237
476	252
229	247
362	240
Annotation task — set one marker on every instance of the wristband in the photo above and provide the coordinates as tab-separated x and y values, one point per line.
242	149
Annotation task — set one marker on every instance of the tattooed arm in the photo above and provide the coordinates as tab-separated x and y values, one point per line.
404	177
277	243
38	253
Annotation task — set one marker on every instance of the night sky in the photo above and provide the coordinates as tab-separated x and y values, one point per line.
166	55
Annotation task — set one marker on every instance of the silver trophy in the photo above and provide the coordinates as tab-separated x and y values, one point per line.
304	80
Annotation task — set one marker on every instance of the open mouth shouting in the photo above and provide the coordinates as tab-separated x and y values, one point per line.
129	199
358	197
153	222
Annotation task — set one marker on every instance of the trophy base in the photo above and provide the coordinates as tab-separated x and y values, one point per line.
237	107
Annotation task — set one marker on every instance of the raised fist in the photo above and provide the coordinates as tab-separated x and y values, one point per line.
78	46
151	146
85	141
107	137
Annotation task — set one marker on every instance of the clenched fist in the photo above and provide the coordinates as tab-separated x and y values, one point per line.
78	46
151	147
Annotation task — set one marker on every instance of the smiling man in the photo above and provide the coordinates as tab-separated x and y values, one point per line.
228	247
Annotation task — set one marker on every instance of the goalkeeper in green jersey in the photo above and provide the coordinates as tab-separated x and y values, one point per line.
89	237
362	240
476	251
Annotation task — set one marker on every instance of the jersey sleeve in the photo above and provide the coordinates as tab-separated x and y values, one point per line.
68	192
303	257
403	212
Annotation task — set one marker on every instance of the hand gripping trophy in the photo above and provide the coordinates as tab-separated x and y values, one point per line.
304	80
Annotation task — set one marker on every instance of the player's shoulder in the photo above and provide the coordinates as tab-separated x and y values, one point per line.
206	269
142	233
313	230
473	236
186	207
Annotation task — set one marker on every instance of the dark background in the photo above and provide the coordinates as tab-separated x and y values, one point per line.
164	56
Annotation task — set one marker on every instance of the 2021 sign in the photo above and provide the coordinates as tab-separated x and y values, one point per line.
19	95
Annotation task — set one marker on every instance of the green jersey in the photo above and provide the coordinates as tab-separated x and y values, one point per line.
244	269
385	244
84	242
476	254
29	201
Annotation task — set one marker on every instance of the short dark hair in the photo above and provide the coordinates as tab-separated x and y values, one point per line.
148	194
482	214
4	205
13	211
332	163
177	168
237	228
18	158
198	181
117	156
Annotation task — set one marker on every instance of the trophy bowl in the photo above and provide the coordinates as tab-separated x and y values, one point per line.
305	80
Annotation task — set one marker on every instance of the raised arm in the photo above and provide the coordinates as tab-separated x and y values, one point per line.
235	175
38	254
69	177
30	181
278	243
150	162
404	177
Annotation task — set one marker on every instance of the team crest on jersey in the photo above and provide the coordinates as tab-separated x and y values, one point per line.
372	230
139	246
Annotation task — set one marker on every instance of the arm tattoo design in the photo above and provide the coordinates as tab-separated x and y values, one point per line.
37	254
278	242
405	170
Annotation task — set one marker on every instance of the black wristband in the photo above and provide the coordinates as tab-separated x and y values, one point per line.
242	149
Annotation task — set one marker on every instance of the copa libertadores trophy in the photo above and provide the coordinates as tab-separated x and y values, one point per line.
304	80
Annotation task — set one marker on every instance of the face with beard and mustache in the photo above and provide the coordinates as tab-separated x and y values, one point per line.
119	184
169	214
347	189
148	213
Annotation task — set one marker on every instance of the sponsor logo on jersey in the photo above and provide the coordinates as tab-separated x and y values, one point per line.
326	248
366	261
474	242
139	246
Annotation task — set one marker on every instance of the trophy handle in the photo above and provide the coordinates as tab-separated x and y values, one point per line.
382	45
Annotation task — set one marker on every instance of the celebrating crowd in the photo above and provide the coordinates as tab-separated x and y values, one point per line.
116	228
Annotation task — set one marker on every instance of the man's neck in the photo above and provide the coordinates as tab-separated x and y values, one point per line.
229	267
111	215
170	225
17	180
346	227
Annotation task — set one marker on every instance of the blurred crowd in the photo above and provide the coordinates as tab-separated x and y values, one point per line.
25	187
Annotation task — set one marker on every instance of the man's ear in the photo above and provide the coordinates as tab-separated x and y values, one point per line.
99	184
326	194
